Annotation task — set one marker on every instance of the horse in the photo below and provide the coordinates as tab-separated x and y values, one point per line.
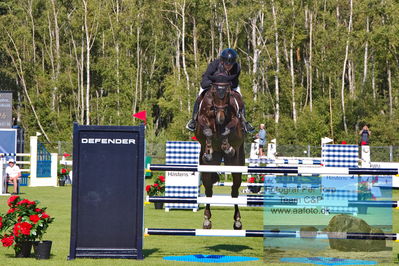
221	136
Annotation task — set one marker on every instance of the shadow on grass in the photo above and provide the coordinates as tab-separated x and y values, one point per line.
148	252
32	255
273	250
234	248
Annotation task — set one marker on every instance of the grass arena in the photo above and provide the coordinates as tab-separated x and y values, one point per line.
58	200
221	240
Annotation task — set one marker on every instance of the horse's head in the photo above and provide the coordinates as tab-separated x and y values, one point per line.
221	95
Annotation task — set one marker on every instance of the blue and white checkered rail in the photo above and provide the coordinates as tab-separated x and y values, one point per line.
270	233
275	170
8	154
260	201
341	155
181	153
14	154
284	161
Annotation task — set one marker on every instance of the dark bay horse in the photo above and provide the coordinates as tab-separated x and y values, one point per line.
221	135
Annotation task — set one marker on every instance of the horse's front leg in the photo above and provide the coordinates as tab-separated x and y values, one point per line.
207	217
208	185
227	148
234	194
207	156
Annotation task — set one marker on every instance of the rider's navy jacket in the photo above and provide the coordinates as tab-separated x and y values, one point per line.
215	68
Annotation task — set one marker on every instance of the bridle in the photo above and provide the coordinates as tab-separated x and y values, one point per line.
221	91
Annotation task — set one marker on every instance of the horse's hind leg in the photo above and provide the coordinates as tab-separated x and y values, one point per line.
207	182
234	193
237	219
236	184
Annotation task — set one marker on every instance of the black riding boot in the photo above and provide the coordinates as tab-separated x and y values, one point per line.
191	124
247	126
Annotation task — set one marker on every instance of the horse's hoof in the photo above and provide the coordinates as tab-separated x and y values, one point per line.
230	151
237	225
226	132
207	224
207	157
207	132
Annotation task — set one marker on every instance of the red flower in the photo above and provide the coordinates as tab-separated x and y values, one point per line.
34	218
12	210
25	228
7	241
38	210
25	201
45	215
251	180
64	171
22	228
263	179
11	200
155	185
16	229
148	188
162	178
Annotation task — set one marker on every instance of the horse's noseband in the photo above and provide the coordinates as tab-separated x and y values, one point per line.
219	107
221	91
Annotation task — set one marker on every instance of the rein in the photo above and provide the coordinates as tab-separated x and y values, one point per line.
220	90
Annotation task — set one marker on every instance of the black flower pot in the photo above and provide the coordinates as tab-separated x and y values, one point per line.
42	249
61	183
254	189
158	205
23	249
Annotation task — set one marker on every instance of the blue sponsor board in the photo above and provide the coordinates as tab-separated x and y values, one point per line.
107	192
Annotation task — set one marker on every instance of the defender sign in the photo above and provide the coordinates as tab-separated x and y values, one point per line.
107	192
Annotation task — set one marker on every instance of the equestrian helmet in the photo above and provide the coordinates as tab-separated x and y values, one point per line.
229	56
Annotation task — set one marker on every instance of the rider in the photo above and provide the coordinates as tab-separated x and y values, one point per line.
226	64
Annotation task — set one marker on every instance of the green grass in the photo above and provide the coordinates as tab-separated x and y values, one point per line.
58	201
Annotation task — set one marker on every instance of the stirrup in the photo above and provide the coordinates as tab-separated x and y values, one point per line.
248	127
191	125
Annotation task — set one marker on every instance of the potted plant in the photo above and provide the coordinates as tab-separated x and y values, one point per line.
25	224
258	179
62	176
157	189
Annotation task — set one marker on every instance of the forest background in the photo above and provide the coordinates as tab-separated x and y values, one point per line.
310	69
